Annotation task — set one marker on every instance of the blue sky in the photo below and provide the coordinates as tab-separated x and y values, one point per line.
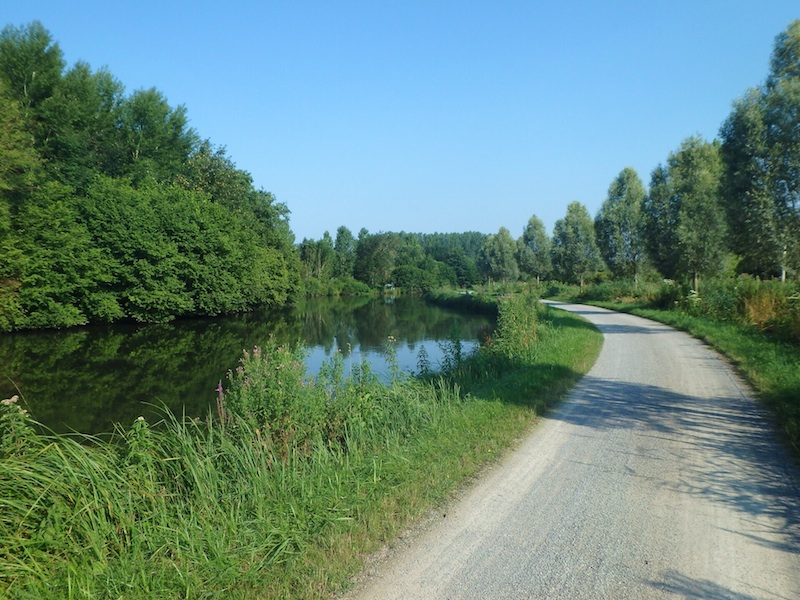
431	116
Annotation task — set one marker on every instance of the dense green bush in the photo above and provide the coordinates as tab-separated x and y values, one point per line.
111	207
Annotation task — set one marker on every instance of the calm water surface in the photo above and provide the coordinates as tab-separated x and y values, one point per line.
89	378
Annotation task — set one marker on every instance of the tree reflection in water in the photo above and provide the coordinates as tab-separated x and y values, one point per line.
86	379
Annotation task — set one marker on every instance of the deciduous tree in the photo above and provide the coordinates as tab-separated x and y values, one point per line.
618	225
534	250
575	252
684	214
499	257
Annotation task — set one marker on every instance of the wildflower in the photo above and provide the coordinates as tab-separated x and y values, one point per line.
10	401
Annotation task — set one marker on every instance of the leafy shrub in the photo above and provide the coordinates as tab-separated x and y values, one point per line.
667	296
561	290
270	391
717	298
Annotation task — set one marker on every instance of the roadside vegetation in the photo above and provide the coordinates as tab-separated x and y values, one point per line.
288	485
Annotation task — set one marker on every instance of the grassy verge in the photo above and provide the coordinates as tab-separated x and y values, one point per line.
287	487
770	363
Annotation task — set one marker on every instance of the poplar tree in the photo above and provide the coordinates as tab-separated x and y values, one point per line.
499	257
618	225
761	151
534	250
684	218
575	252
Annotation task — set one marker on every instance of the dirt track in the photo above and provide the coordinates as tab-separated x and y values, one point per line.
658	477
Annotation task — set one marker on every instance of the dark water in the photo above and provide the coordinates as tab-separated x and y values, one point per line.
89	378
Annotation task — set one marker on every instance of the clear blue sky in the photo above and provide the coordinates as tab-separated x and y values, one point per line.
425	115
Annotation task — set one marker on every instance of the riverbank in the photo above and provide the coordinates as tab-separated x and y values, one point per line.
288	486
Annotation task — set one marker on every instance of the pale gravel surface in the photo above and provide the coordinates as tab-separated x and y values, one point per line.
657	477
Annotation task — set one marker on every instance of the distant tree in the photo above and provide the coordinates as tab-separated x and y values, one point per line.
618	225
319	257
702	230
499	257
534	250
660	221
574	250
376	256
345	248
459	251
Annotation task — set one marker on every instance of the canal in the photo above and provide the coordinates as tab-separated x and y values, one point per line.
87	379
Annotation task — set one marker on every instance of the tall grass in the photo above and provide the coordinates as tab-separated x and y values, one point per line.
769	305
283	489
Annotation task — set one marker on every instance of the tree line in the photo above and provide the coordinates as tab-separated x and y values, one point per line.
726	206
729	205
112	207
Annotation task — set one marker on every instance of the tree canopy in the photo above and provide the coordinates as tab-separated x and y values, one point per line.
618	225
575	252
112	208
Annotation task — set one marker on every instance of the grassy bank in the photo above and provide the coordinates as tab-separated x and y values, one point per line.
755	324
287	487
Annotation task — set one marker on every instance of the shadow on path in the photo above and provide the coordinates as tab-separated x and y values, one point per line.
722	448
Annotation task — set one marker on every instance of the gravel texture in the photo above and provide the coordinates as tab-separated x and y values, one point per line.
658	477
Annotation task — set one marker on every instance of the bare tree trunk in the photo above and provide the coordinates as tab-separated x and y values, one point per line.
783	266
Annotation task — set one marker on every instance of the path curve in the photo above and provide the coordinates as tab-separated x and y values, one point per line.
657	477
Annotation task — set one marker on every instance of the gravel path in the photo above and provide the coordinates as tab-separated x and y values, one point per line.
657	477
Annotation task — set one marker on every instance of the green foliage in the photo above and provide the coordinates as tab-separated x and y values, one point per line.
30	65
534	250
575	252
130	215
618	225
769	305
684	220
499	257
345	248
319	258
517	328
407	261
17	436
750	209
761	152
268	390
